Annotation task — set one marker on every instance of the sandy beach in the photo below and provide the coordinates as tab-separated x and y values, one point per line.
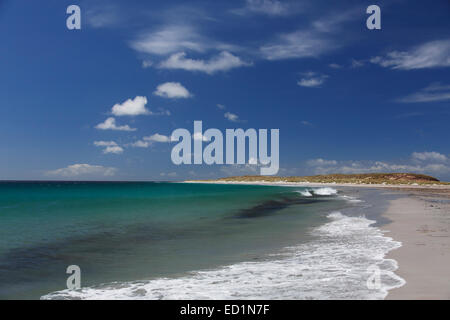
420	220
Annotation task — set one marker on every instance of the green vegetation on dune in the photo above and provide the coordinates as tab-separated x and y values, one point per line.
364	178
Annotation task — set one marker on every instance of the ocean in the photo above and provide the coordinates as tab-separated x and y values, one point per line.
151	240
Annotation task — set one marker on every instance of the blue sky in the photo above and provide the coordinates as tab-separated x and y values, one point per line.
100	102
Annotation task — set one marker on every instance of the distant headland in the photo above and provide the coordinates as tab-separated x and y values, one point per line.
358	179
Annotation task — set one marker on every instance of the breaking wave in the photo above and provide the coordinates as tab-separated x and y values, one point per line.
336	265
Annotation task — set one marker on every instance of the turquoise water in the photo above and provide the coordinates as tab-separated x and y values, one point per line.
144	240
131	231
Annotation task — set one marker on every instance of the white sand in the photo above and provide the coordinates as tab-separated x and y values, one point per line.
423	227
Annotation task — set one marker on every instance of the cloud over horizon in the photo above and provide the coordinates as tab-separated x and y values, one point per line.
431	163
84	171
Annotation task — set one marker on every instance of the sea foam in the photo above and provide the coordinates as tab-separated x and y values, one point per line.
325	191
335	265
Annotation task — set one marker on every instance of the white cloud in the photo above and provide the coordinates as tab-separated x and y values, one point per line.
131	107
432	163
177	38
113	149
147	141
110	147
110	124
141	144
157	138
105	143
170	39
427	156
428	55
321	36
199	136
83	170
172	90
221	106
321	162
224	61
433	93
231	116
298	44
312	80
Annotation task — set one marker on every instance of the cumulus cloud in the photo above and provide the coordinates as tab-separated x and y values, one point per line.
224	61
173	90
312	80
141	144
221	106
131	107
147	141
110	124
83	170
433	93
157	138
431	54
433	156
109	147
113	149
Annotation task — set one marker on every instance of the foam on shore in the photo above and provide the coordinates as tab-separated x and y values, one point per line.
335	265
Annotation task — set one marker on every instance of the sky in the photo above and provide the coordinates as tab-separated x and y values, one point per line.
100	103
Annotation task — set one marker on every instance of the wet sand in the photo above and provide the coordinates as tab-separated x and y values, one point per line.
421	221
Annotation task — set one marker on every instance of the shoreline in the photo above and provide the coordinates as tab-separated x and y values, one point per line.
420	220
317	184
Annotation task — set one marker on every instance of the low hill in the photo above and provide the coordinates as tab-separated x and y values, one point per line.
364	178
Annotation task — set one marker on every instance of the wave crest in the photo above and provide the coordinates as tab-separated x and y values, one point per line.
334	266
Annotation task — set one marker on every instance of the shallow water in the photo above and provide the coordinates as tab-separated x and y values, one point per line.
169	240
